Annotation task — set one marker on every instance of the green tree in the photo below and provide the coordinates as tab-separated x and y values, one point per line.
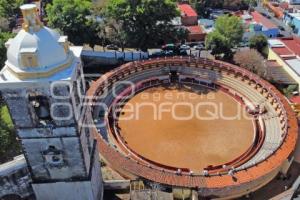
217	43
9	146
288	91
113	32
260	43
4	36
231	27
146	23
9	9
74	18
228	33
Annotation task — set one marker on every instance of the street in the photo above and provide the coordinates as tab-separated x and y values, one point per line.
288	31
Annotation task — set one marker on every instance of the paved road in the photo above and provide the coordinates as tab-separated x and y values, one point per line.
288	31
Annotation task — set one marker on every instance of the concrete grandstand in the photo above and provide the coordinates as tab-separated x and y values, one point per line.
274	125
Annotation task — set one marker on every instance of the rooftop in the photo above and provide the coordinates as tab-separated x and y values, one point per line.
277	73
187	10
295	99
289	51
294	64
258	18
285	46
194	29
295	15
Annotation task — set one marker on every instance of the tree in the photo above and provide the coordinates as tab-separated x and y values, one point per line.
4	36
74	19
260	43
203	6
113	32
231	27
9	146
288	91
217	43
146	23
4	24
9	9
228	33
252	61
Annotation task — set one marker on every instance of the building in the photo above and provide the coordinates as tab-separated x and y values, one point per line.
276	9
207	25
195	33
286	52
43	86
189	16
294	2
189	19
258	24
293	19
270	154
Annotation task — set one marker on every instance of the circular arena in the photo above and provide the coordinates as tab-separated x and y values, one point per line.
232	132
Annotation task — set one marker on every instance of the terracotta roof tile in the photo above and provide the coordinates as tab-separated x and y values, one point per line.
194	29
187	10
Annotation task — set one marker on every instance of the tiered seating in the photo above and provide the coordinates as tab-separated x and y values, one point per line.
272	124
214	184
273	137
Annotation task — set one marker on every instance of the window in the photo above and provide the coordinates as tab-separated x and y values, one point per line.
63	41
41	107
28	57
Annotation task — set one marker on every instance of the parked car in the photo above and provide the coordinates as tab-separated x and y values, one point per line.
112	47
185	47
263	14
243	44
169	53
280	35
168	47
157	54
199	47
183	53
281	28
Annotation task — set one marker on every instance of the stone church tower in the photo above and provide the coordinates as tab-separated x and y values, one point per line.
42	83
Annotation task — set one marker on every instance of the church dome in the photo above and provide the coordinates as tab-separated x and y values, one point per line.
43	44
36	48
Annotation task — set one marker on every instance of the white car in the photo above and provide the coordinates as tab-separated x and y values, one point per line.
199	47
185	47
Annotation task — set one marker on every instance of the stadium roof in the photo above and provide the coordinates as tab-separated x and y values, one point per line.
187	10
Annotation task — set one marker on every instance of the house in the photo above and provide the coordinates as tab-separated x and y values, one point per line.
258	24
276	9
189	16
286	52
293	19
195	33
207	25
189	19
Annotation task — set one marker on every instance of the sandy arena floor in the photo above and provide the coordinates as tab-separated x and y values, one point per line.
195	143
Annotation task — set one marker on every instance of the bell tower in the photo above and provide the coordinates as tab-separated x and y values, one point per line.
43	85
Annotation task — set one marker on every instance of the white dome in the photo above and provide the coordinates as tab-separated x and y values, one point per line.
44	43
